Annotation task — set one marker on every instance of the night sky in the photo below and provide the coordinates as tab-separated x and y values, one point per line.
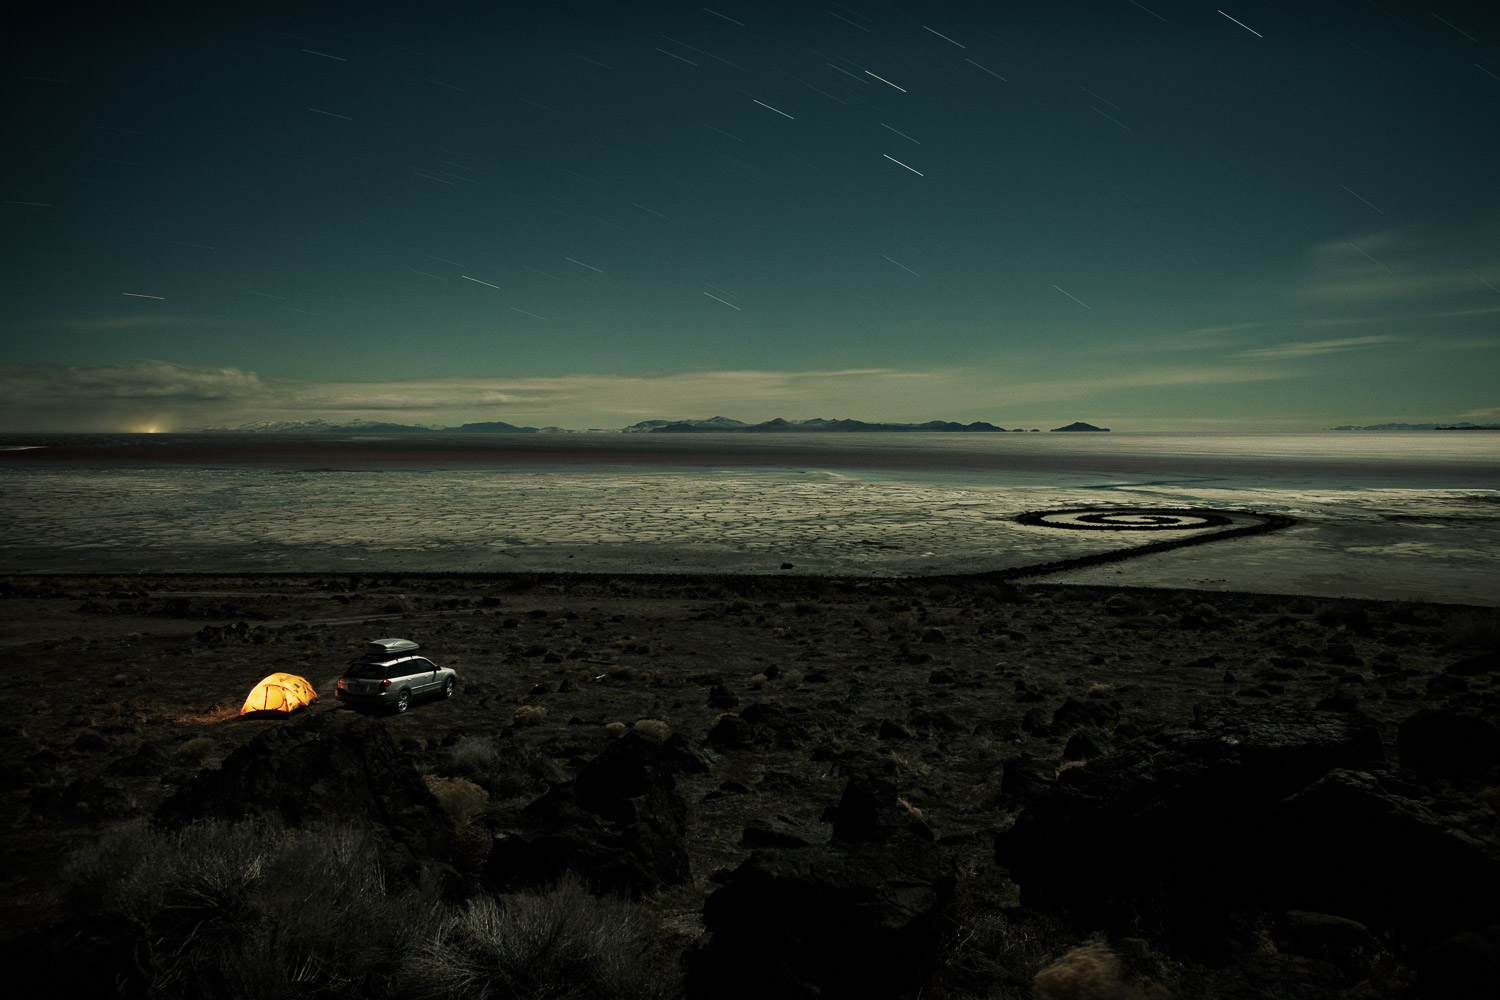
1146	215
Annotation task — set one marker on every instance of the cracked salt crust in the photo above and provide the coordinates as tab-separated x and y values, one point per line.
1441	544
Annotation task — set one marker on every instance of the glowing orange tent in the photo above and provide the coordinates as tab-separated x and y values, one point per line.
279	693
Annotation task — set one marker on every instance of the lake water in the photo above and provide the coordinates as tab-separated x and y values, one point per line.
1408	515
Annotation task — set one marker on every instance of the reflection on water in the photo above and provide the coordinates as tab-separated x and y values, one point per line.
1320	460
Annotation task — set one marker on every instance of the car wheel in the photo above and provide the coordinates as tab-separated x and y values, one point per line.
403	700
448	688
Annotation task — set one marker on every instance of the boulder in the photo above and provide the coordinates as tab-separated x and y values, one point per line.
1344	942
1372	846
1464	967
856	918
619	825
779	831
1169	827
325	767
1451	744
1023	778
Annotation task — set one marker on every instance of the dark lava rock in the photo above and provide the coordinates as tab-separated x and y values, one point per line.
1446	685
1369	846
1484	663
1464	967
778	831
731	731
1451	744
1345	942
324	767
1073	713
1022	779
620	825
86	800
720	696
852	919
774	723
892	730
147	761
871	810
1171	827
1082	746
89	742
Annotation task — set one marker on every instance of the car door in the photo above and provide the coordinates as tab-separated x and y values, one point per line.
424	675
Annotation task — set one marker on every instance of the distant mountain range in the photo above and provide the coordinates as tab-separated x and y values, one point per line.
711	425
719	425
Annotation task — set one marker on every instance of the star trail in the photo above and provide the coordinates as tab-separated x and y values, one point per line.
398	196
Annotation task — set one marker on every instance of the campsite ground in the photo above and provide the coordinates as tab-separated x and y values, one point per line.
131	685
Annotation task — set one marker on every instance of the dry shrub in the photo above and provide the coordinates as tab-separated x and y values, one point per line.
985	795
1088	972
562	944
460	798
653	730
529	715
247	909
614	730
473	756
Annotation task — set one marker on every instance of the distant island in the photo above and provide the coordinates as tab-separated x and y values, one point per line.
1462	425
1079	425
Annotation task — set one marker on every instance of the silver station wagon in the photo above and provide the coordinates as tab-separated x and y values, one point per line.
387	675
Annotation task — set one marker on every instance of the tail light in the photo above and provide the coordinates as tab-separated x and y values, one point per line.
385	685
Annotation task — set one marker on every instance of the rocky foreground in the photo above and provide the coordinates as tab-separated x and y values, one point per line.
734	787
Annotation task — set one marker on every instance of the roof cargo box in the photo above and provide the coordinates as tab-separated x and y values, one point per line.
381	649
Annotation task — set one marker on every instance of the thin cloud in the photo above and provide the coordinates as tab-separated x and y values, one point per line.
1389	266
152	380
107	324
164	395
1311	348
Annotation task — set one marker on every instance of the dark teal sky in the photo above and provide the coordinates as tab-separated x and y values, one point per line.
1140	214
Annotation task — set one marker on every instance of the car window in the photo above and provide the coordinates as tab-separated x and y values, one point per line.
367	670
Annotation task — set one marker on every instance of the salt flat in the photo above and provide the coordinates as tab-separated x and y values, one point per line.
1438	545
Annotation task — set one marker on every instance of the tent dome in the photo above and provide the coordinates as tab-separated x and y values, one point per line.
279	693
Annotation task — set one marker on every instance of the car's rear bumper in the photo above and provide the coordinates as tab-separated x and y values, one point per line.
364	700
